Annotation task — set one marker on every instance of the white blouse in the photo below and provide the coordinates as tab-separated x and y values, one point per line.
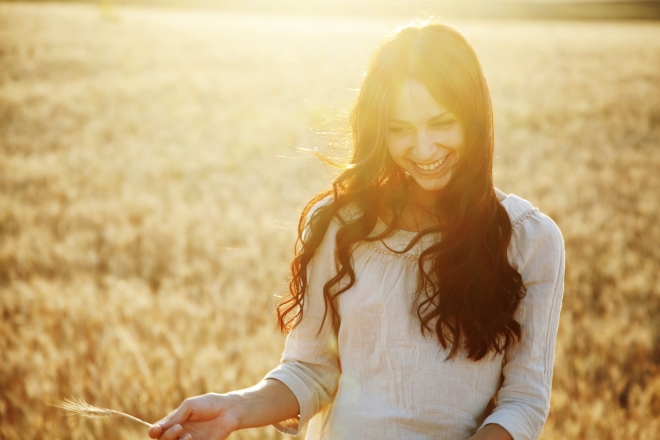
380	378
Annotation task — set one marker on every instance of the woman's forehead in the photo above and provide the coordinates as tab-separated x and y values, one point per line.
412	101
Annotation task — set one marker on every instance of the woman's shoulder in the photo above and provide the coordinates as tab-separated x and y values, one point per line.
534	233
343	215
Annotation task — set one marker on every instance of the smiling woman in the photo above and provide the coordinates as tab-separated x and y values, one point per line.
424	303
424	139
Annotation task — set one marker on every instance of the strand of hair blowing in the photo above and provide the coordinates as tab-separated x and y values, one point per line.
468	292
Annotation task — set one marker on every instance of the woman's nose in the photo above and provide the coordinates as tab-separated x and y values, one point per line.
425	146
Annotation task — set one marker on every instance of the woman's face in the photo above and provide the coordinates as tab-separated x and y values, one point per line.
424	139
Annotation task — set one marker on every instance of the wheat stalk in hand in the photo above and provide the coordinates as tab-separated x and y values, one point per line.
84	409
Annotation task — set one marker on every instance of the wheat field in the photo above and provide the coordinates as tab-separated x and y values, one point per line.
153	164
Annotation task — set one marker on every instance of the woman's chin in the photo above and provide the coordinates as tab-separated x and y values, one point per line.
432	183
427	189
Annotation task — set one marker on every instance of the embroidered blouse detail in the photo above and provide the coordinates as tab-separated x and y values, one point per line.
519	220
384	251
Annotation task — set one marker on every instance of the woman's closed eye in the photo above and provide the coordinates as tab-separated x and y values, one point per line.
403	130
399	130
443	124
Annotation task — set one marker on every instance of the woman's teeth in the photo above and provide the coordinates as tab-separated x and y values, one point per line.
432	166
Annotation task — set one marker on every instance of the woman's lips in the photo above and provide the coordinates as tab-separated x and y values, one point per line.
431	169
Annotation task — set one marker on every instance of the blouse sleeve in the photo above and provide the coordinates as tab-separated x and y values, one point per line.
310	362
523	402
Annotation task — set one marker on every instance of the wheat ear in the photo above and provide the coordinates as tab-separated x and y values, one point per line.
84	409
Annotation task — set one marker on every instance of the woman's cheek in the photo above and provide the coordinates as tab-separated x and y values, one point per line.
397	148
458	137
451	139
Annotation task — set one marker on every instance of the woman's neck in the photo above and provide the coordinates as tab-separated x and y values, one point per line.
417	214
420	196
419	210
416	217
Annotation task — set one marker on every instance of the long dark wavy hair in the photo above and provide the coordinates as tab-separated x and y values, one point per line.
467	292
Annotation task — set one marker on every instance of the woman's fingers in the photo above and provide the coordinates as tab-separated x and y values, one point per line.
173	433
197	418
155	431
163	428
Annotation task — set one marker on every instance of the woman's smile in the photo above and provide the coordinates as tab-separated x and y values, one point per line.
432	167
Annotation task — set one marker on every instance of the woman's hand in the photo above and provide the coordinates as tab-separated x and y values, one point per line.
215	416
208	417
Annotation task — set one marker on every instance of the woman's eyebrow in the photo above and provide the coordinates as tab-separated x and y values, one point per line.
436	118
440	117
398	121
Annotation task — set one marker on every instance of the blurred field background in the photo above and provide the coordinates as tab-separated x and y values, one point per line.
152	173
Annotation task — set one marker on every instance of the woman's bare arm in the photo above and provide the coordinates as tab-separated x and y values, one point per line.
268	402
215	416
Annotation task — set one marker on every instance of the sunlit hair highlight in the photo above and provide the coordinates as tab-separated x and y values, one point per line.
468	292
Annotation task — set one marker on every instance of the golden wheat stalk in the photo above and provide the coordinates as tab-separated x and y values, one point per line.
84	409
